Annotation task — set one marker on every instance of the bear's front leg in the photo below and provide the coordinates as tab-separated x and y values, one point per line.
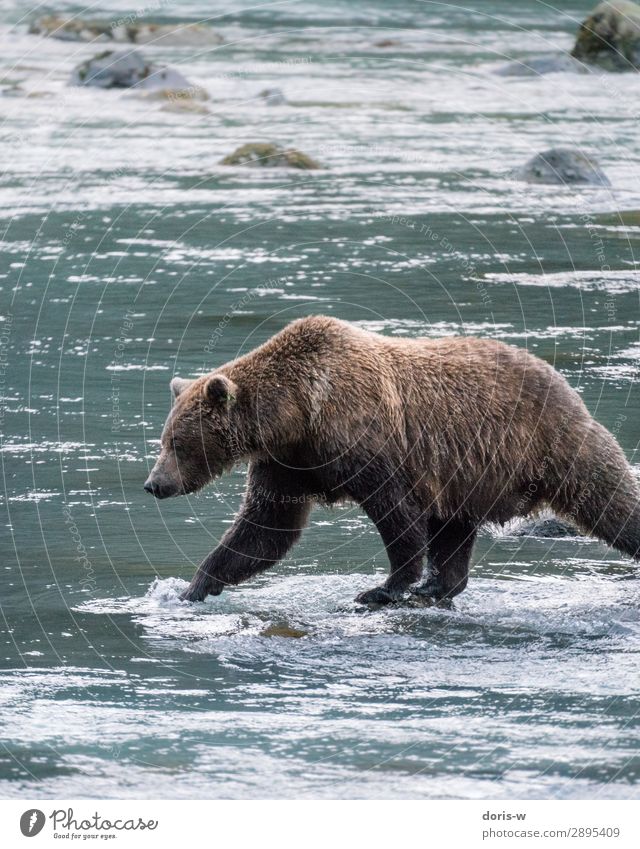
379	596
274	512
202	584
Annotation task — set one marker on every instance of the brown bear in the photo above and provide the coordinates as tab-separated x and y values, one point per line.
430	437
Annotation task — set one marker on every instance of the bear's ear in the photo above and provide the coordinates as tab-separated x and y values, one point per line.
220	390
178	385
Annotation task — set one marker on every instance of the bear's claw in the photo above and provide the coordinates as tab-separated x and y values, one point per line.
193	595
377	596
198	590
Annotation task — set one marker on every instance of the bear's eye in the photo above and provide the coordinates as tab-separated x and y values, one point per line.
177	446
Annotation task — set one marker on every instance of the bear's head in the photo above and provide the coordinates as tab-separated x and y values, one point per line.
196	443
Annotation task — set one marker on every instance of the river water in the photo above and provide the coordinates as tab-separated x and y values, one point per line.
130	254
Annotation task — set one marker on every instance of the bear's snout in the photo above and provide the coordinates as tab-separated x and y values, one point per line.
159	488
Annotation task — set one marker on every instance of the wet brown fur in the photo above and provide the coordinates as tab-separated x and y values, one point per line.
431	437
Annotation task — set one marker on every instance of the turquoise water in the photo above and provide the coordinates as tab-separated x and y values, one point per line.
125	248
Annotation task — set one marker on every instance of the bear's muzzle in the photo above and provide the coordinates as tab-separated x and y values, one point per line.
160	488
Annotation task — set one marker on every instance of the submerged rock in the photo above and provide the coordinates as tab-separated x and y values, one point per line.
71	29
126	30
269	156
176	35
181	106
185	97
562	166
273	97
547	527
610	37
536	66
127	70
11	88
387	42
283	631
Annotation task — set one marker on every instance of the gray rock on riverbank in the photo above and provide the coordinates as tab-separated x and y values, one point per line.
562	166
545	527
610	37
273	97
128	69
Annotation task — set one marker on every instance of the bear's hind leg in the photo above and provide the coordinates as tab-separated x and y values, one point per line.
599	492
450	546
404	537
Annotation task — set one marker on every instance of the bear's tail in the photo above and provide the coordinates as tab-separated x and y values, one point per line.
599	492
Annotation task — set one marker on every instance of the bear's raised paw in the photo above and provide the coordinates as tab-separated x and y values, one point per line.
200	588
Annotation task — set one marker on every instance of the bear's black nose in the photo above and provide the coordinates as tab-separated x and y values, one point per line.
160	488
